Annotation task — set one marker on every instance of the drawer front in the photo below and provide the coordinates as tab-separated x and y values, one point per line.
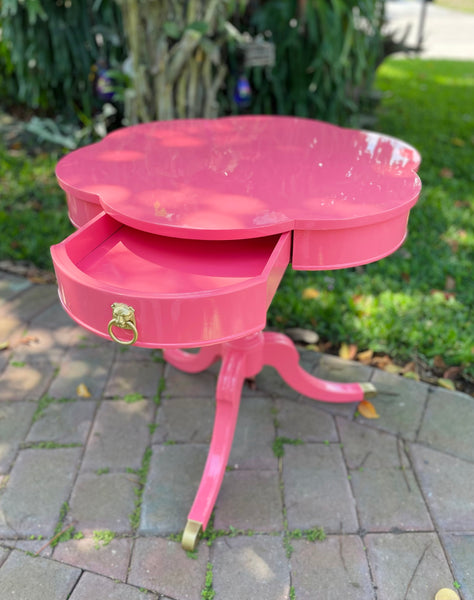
184	293
342	248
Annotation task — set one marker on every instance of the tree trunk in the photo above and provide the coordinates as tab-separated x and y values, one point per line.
176	52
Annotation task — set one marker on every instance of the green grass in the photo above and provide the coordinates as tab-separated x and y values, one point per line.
32	207
419	300
463	5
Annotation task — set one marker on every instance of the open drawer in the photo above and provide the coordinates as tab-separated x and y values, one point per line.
175	292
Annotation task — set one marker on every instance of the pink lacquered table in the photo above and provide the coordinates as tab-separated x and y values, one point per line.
185	229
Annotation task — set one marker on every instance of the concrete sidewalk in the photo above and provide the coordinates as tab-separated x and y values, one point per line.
446	34
393	496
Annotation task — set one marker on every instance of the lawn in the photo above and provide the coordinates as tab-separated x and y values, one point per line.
33	214
415	304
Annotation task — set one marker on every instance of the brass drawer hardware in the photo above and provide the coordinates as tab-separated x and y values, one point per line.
124	318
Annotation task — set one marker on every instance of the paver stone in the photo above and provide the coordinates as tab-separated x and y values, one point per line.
250	567
409	566
460	550
39	484
448	486
250	500
448	423
95	587
162	566
317	491
119	435
332	569
111	560
24	577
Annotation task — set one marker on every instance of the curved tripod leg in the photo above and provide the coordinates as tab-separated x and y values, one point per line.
280	353
229	387
193	363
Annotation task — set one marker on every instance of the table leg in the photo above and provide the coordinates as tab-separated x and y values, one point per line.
190	362
280	353
229	387
244	358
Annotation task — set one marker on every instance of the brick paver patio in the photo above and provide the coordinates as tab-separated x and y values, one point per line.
394	497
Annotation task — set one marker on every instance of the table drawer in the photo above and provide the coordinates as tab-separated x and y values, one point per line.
184	293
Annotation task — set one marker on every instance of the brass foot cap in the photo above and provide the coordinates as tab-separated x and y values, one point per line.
191	534
369	390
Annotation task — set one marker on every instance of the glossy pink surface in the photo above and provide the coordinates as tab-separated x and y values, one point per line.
185	293
193	224
241	359
242	177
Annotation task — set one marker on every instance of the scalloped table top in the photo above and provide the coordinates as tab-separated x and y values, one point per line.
244	177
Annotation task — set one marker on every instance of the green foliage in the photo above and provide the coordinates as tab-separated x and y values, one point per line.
420	299
142	474
315	534
326	56
60	533
47	50
278	445
102	537
208	592
132	398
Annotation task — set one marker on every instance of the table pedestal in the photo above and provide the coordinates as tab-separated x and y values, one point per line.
242	359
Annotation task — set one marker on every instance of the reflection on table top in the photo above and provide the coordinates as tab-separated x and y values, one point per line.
243	177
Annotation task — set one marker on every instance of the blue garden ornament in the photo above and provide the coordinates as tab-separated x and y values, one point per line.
242	92
104	84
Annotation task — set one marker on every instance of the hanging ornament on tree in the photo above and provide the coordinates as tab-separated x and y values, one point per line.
104	84
242	92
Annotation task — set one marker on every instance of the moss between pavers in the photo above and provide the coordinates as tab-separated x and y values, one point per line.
142	473
43	404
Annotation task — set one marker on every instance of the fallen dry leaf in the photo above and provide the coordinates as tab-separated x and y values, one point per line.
410	366
325	346
438	362
27	339
365	357
381	361
82	391
450	283
4	345
310	293
446	173
391	368
347	351
447	295
448	384
367	410
411	375
453	244
452	372
446	594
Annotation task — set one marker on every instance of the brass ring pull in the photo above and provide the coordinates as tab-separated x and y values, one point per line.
124	318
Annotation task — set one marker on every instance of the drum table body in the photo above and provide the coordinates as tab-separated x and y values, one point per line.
185	229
